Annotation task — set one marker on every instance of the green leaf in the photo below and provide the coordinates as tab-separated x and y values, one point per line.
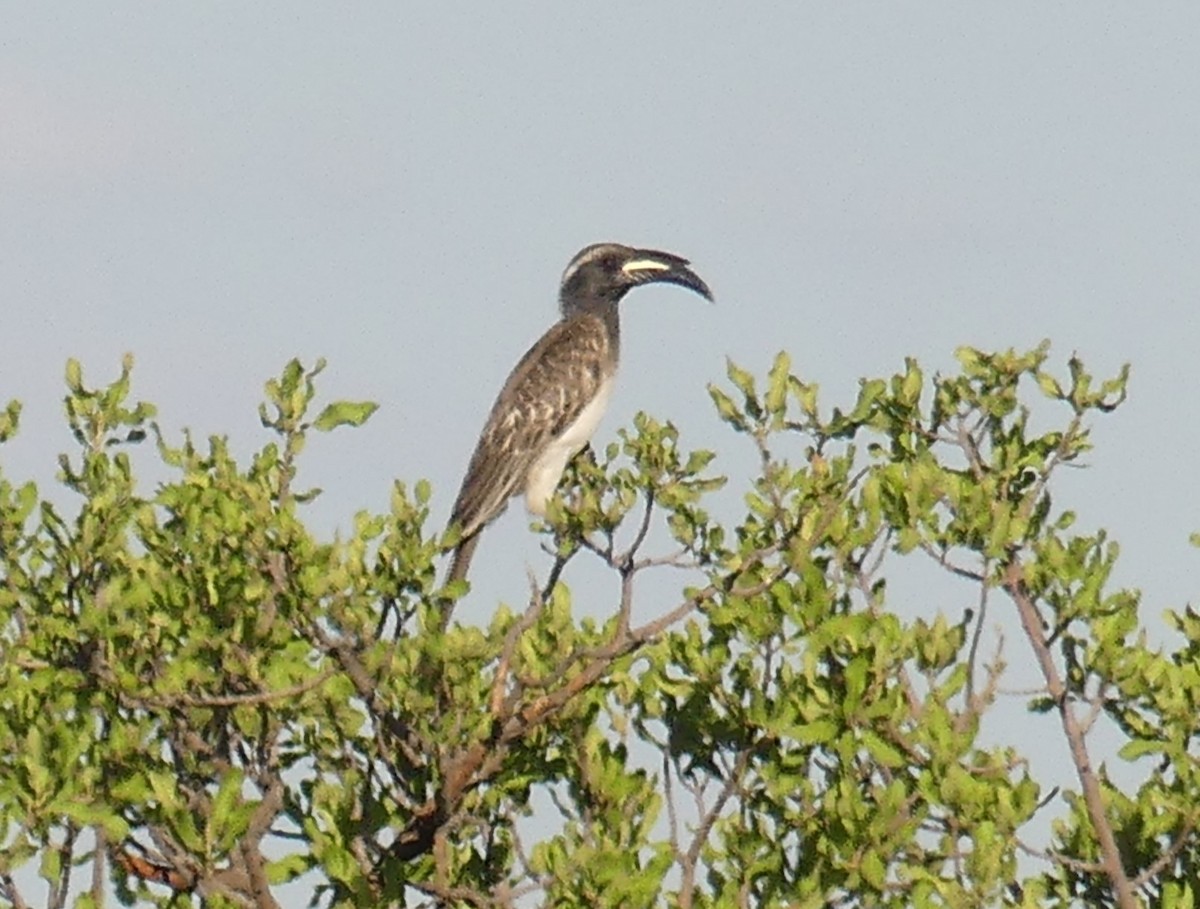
777	384
288	868
51	864
874	872
726	408
422	491
344	413
10	420
1137	748
74	376
911	384
818	732
1049	385
1178	895
742	380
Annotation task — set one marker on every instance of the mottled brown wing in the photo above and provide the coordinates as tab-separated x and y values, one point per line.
543	395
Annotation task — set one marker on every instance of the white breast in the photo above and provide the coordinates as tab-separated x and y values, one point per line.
547	470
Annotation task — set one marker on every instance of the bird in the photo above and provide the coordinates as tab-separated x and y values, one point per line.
555	396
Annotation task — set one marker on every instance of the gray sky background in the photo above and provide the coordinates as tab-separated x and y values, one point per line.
398	187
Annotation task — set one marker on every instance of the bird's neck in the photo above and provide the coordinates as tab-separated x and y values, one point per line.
604	309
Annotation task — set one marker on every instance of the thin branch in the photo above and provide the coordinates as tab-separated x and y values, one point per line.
1046	799
669	797
603	552
977	634
1039	691
268	809
1169	855
449	895
8	890
733	779
99	862
970	447
994	670
518	846
625	560
368	690
626	608
60	889
943	559
229	700
556	570
537	604
1031	621
674	559
1049	855
1097	707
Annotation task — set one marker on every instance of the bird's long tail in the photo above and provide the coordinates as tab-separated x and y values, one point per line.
462	558
458	569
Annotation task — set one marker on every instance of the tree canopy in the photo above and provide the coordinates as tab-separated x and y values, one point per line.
204	703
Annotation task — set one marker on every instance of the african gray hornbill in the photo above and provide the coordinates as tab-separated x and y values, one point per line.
554	398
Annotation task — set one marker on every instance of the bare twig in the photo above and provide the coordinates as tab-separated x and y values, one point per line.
1031	621
265	813
976	701
625	560
970	447
537	604
99	860
626	607
1096	708
1049	855
229	700
8	890
602	551
687	886
518	847
450	895
943	559
669	797
674	559
556	570
1171	853
62	887
1039	691
976	635
367	689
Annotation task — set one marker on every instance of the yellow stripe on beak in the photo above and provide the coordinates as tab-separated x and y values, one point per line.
644	265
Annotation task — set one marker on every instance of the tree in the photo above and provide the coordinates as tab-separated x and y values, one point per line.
201	701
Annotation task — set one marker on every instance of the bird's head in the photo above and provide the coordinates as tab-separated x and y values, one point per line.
604	272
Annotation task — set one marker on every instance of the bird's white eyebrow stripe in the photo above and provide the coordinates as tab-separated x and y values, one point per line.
587	255
645	265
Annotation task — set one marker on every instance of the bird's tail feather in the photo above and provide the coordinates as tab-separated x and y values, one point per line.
462	558
458	569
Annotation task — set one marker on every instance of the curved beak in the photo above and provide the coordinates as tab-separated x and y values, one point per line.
651	266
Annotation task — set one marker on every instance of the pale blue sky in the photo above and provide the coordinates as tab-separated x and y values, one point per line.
397	188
